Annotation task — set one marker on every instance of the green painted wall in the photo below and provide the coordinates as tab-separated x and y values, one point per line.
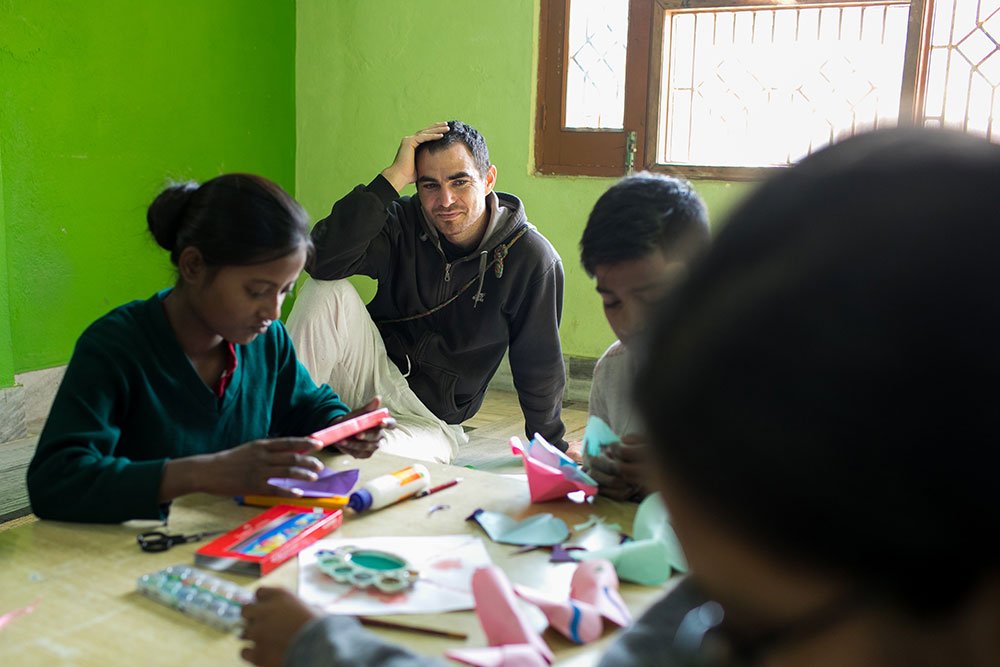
6	353
100	102
370	71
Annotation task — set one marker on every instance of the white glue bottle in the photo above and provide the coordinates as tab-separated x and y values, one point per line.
391	488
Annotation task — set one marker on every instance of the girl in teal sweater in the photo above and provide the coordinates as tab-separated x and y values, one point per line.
196	389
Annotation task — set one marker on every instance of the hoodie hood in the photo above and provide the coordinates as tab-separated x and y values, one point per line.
506	216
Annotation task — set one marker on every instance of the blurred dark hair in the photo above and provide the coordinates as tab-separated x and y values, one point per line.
233	219
460	133
642	213
826	379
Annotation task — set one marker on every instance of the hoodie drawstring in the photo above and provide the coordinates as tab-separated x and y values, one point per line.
479	296
498	256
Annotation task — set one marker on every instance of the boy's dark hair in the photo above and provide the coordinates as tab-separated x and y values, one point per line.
460	133
825	379
233	219
642	213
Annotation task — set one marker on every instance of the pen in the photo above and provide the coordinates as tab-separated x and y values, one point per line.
328	502
392	625
439	487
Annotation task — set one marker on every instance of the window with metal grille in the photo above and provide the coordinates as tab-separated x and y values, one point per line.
728	88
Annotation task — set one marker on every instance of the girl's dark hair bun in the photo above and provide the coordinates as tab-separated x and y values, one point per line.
166	213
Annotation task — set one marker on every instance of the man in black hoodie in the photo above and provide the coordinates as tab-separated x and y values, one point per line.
462	277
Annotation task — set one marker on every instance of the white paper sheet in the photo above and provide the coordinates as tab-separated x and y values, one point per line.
445	563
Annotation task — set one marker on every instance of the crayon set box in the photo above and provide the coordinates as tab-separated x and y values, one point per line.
269	539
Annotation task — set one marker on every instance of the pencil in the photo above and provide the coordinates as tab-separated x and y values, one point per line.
439	487
393	625
328	502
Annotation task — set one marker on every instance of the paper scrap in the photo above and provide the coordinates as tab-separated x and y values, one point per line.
536	530
328	482
652	553
551	474
597	435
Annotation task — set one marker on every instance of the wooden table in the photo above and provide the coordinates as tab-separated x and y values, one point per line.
84	576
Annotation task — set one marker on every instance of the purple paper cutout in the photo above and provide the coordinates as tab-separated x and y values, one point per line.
561	554
330	482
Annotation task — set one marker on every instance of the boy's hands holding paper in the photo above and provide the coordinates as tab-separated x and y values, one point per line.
270	624
620	468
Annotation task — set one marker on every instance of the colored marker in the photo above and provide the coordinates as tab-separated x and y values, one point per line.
328	502
439	487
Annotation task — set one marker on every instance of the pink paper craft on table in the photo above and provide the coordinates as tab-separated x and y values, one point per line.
515	655
551	474
513	642
593	597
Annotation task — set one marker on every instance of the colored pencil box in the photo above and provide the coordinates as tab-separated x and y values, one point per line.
268	540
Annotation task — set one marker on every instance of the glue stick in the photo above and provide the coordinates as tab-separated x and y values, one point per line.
391	488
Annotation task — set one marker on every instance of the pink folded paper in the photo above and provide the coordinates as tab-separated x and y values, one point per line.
551	474
515	655
595	582
508	632
593	596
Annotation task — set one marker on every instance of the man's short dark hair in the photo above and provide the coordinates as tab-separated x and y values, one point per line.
461	133
642	213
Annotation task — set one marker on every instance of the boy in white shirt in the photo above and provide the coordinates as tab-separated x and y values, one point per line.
638	243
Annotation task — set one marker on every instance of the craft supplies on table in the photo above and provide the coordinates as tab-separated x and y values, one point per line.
329	502
445	564
268	540
551	474
200	595
364	568
154	541
328	483
388	489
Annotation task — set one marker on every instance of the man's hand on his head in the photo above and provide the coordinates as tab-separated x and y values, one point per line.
403	169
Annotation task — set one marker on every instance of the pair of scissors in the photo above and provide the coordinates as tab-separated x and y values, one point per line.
157	540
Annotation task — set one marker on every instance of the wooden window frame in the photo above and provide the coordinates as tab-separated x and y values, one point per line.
592	152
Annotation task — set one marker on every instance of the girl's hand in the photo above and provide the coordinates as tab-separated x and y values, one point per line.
364	444
244	470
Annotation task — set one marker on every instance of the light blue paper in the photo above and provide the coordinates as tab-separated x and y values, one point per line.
653	552
597	436
542	530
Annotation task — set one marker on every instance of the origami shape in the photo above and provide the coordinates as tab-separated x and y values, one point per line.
329	482
654	550
514	642
537	530
593	596
596	583
597	436
515	655
551	474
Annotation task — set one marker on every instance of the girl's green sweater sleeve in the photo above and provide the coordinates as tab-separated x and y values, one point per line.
131	400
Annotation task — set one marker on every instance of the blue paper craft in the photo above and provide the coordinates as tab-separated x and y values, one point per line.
541	530
652	553
329	482
597	436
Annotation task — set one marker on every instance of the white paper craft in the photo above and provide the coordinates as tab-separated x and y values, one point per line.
446	564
